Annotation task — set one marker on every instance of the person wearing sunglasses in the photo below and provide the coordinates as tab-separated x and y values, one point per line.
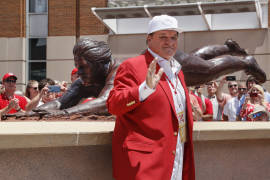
254	97
250	82
222	97
10	102
44	96
211	88
230	108
206	104
31	90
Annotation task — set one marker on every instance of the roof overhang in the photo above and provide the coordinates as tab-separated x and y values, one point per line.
208	16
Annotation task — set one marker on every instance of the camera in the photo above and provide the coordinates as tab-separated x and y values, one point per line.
230	78
54	88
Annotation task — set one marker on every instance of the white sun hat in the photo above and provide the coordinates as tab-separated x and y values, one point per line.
163	22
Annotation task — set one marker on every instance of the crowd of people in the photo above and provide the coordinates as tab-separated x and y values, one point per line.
247	101
36	93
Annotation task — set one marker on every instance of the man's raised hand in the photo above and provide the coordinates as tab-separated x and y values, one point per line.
152	78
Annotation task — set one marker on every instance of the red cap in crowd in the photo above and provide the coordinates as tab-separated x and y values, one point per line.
7	75
74	71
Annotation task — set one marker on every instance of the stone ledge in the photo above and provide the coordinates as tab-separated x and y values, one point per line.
205	131
61	134
54	134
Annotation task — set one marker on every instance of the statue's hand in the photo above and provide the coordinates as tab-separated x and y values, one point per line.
40	111
56	113
20	115
234	47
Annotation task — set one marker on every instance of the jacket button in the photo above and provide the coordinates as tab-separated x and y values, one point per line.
175	133
173	152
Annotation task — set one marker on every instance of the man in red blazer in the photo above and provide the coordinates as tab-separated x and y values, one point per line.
152	139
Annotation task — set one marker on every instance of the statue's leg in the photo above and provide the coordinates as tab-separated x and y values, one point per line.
230	47
198	71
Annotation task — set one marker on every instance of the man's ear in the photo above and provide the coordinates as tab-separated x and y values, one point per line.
149	38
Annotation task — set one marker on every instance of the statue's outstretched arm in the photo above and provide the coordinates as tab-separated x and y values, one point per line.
210	62
198	71
230	47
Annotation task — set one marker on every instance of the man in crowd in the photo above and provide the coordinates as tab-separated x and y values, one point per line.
207	106
223	98
231	107
10	102
232	87
196	104
153	132
217	106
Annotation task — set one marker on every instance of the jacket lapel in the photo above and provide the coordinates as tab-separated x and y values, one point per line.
181	77
166	88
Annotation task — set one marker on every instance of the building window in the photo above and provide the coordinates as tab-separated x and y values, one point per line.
37	58
38	6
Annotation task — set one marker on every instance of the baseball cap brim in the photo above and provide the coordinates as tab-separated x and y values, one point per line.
8	75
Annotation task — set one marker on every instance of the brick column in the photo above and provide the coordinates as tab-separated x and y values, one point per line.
12	18
62	18
89	24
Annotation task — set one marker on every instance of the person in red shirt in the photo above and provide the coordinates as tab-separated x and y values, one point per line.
206	104
74	75
9	102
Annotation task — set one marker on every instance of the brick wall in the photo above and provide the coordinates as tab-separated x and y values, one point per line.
12	18
62	18
89	24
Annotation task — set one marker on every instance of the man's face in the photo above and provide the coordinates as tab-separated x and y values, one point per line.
10	85
241	90
84	70
74	77
164	43
233	87
211	88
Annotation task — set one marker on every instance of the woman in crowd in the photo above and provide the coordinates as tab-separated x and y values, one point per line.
43	96
254	98
31	89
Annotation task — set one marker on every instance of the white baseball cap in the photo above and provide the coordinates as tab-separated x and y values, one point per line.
163	22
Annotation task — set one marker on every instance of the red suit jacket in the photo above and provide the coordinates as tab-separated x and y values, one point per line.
145	134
